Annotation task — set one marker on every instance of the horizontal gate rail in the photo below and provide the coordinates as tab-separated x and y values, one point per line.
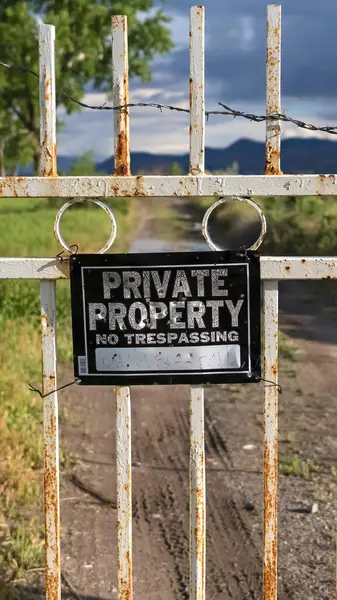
272	268
168	185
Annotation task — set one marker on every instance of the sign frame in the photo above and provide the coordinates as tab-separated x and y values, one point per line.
247	261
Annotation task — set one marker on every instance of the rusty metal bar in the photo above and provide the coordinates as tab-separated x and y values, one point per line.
120	85
197	427
270	310
273	99
197	495
51	446
165	186
48	328
124	493
47	100
197	91
123	400
273	167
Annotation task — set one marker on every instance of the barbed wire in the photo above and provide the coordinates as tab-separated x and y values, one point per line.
228	111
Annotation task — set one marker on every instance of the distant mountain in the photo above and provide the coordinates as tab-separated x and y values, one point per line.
309	155
63	165
298	156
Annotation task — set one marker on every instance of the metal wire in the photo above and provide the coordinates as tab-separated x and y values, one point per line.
228	111
32	388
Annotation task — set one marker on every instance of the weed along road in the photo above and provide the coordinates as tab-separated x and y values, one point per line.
233	440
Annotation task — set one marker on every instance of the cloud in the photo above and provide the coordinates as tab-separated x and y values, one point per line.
235	74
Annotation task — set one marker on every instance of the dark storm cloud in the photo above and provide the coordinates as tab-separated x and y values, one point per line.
235	49
235	74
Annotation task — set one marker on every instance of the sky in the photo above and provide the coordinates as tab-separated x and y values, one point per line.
235	49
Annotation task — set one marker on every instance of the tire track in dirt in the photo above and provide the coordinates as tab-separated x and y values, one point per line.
156	485
234	563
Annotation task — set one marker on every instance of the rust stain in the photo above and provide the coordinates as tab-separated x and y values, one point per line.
122	151
51	515
270	517
322	180
44	321
122	161
199	531
272	160
54	160
10	185
269	579
125	583
139	188
49	152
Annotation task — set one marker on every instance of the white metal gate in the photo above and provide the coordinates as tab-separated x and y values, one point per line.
122	184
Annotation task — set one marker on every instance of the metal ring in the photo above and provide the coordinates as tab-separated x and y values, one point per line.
105	207
205	231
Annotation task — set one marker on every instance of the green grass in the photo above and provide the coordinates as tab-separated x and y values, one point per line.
295	225
288	351
293	466
26	229
300	226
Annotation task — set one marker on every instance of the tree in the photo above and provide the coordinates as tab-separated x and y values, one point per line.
15	145
83	51
176	169
83	165
232	169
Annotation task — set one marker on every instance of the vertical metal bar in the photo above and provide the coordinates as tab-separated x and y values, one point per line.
47	100
120	84
197	427
197	495
273	167
51	446
48	327
273	133
270	300
197	91
124	493
123	401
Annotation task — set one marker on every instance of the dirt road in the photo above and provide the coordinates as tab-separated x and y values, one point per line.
234	459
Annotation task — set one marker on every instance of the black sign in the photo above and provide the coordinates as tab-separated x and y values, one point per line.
166	318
